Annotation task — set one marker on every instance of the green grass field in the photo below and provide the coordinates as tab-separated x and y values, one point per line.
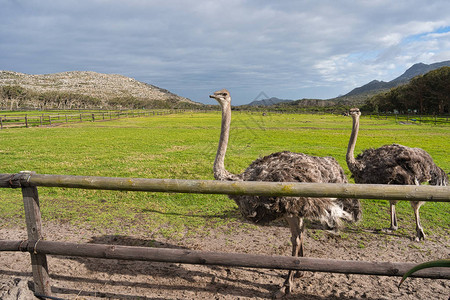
183	146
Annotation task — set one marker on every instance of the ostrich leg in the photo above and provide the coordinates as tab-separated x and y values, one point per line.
420	235
297	227
394	225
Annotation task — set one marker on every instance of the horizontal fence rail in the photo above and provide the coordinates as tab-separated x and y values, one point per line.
258	188
221	258
39	248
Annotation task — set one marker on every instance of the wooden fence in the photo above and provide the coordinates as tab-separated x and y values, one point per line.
413	118
48	119
32	120
39	248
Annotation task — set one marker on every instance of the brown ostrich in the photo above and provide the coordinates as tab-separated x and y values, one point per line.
393	164
285	167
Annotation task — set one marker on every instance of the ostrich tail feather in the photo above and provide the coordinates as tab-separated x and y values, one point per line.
263	210
335	215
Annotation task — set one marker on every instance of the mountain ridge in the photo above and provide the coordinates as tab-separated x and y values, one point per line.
358	95
413	71
268	101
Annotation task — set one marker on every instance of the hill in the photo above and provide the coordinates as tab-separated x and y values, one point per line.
267	102
106	89
428	93
360	94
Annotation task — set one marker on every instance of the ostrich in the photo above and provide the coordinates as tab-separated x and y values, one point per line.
393	164
285	167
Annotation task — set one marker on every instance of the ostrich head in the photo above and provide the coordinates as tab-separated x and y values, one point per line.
223	97
354	112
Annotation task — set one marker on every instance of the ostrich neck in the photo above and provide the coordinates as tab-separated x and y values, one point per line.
351	161
219	164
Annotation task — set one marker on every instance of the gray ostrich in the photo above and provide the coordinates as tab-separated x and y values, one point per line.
393	164
285	167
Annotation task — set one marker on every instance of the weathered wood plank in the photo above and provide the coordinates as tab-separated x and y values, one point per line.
10	245
332	190
225	259
34	230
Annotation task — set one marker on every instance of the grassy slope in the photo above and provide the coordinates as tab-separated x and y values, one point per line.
183	146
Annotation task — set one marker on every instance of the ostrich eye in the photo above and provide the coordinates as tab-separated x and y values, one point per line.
224	94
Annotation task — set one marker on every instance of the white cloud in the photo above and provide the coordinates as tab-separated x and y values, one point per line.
294	48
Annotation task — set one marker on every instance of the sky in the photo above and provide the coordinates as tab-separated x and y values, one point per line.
284	49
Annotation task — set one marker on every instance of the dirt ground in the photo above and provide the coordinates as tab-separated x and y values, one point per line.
84	278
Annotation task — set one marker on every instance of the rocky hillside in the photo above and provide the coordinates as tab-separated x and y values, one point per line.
104	87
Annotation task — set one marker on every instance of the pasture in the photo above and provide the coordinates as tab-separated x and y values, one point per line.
183	146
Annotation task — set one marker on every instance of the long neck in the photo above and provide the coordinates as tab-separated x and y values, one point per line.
219	163
351	161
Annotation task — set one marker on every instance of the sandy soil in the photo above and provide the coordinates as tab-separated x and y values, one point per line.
81	278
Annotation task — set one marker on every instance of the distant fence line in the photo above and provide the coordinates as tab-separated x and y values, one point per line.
413	118
33	120
49	119
407	118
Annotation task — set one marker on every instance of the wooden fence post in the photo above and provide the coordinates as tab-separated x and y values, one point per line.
34	229
26	121
1	122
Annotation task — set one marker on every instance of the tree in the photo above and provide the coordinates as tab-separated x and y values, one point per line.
429	93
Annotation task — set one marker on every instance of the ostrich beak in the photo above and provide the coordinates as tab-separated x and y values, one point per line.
212	96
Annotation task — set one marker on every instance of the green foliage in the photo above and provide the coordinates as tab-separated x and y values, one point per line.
12	92
443	263
425	94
